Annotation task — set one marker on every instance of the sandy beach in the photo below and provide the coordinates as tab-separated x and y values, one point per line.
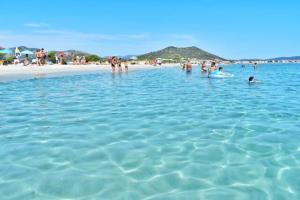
20	72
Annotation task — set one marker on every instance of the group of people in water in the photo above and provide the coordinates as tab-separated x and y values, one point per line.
114	61
213	71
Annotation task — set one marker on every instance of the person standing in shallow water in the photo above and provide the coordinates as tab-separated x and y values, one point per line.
113	64
189	67
126	66
213	67
120	66
38	56
203	66
255	66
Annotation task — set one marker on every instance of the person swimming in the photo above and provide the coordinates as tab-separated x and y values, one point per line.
252	80
221	72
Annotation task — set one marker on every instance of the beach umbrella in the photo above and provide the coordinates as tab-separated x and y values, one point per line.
6	51
17	50
133	58
61	53
26	52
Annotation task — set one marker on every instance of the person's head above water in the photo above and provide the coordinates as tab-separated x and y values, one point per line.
251	78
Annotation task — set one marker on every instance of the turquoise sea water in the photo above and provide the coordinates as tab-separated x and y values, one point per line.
152	134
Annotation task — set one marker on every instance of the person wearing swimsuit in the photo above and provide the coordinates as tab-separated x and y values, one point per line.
189	67
120	66
203	66
38	57
212	69
126	66
113	64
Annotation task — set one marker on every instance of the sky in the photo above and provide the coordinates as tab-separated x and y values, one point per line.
233	29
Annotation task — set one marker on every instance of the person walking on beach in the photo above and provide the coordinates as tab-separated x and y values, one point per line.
26	60
74	59
56	59
61	58
83	60
43	57
77	60
38	57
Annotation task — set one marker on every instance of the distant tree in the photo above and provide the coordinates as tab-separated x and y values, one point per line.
64	62
9	59
92	58
177	58
2	56
51	56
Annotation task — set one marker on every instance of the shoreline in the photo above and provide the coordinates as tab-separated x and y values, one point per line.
20	72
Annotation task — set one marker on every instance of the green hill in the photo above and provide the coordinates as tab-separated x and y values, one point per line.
180	53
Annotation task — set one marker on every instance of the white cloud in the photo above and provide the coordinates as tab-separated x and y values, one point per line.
36	25
90	36
99	43
65	39
184	37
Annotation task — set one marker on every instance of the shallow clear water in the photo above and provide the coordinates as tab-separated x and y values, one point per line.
156	134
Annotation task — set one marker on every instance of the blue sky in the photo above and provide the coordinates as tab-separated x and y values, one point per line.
228	28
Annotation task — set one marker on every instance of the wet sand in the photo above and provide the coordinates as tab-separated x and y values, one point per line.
20	72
